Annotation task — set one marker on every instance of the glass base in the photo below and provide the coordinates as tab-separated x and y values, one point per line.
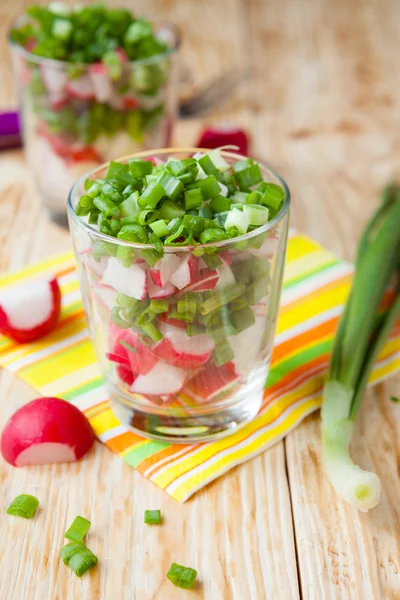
204	427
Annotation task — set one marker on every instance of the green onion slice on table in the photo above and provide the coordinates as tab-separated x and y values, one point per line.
77	531
363	329
183	577
24	506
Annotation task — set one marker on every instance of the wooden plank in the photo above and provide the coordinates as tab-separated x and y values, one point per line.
326	114
237	532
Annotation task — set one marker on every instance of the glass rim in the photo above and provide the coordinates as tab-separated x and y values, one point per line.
54	62
220	244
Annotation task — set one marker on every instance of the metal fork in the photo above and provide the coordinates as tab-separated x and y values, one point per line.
214	92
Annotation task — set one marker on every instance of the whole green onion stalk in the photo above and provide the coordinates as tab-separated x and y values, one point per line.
362	331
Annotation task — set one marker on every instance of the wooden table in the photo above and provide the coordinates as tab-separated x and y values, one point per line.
323	107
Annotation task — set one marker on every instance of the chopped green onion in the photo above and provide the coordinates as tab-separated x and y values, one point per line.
106	206
117	319
224	297
152	517
172	185
272	196
242	319
394	399
151	330
24	506
77	531
186	306
140	168
127	347
133	233
209	187
222	353
257	215
159	306
78	558
183	577
160	228
151	256
213	234
151	195
193	199
220	204
193	329
237	219
212	261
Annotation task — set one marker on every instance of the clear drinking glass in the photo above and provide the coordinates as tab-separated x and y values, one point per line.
75	117
205	378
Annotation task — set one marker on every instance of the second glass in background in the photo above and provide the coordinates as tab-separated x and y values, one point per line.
76	117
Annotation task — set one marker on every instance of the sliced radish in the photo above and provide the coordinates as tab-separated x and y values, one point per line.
47	430
81	87
246	346
55	81
30	311
141	359
204	280
106	295
158	293
97	267
125	374
183	351
163	380
211	381
164	268
101	82
131	281
121	360
224	134
185	273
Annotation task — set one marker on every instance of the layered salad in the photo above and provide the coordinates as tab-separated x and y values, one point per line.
178	274
95	83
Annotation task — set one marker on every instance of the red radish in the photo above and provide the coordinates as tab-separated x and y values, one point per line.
121	360
163	380
185	273
81	87
210	381
30	311
174	322
47	430
131	281
158	293
84	154
164	268
129	102
141	359
125	374
179	349
204	280
224	134
101	82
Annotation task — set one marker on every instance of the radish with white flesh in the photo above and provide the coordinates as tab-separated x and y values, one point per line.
183	351
163	380
247	345
101	82
158	293
44	431
131	281
55	81
164	268
204	280
140	358
210	382
185	273
30	311
81	88
97	267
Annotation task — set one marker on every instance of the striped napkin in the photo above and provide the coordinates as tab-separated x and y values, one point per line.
63	364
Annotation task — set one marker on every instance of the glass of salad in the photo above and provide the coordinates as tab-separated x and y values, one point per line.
94	83
180	256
